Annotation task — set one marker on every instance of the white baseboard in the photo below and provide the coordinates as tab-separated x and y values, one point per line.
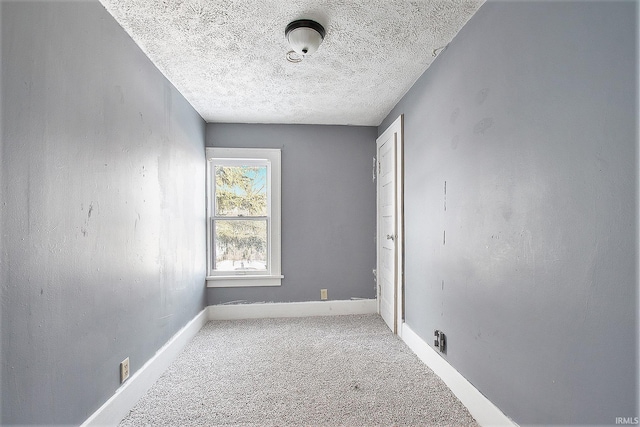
292	309
125	397
480	408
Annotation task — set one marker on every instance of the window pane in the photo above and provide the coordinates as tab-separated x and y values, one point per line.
240	245
241	190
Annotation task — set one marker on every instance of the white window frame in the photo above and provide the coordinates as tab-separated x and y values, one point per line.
273	276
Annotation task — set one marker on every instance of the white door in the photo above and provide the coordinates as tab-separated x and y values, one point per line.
389	220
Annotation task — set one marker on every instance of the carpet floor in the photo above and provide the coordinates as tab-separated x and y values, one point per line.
317	371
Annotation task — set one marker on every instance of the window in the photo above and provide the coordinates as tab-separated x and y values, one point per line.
243	211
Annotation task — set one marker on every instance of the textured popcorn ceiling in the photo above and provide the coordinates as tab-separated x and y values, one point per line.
227	57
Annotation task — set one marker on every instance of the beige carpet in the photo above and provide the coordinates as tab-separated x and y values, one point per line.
318	371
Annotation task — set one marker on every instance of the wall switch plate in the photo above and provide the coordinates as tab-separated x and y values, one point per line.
124	370
323	294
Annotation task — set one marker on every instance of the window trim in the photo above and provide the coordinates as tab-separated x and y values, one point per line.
273	276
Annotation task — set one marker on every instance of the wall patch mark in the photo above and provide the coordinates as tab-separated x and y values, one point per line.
454	115
455	141
482	126
482	96
445	196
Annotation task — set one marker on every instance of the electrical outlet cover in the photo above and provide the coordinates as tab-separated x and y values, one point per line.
124	370
323	294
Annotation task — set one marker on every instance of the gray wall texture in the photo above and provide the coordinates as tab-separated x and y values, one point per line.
103	219
328	210
530	118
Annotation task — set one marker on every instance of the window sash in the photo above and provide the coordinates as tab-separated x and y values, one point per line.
213	251
235	162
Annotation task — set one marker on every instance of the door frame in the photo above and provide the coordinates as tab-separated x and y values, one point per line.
396	127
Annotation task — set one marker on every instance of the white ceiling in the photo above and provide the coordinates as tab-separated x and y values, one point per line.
227	57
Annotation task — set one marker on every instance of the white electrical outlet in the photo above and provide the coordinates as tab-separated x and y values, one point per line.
323	294
124	370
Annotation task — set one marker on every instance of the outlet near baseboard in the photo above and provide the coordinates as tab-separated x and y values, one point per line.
323	294
124	370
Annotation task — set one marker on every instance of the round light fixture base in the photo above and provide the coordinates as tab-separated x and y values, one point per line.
304	36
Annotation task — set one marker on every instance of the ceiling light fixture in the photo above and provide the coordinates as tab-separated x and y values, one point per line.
304	37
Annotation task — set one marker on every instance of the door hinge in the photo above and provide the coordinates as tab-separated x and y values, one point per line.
373	170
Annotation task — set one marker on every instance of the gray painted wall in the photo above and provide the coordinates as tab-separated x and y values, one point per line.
102	210
328	210
530	117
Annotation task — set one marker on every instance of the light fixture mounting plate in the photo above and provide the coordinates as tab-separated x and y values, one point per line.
304	23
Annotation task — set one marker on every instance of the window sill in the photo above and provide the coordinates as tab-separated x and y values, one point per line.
242	281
